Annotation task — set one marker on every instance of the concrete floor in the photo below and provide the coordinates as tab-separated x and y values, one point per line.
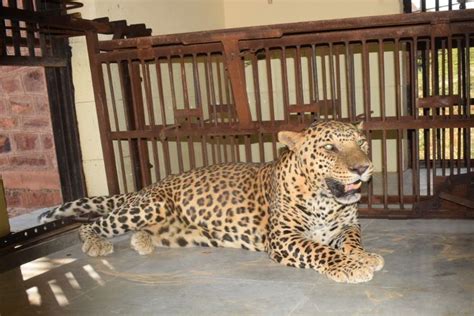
429	271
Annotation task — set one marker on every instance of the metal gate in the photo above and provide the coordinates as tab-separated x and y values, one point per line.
170	103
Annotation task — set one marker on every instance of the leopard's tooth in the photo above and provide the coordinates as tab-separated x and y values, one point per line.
353	186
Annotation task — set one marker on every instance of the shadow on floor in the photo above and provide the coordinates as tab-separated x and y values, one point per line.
429	271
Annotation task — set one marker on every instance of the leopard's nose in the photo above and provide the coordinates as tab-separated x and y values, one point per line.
359	169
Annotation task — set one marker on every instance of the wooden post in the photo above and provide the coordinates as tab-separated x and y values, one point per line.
237	81
4	224
102	113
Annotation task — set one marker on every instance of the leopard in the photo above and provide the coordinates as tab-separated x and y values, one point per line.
301	209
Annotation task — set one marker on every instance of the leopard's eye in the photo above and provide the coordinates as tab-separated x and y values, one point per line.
361	142
329	147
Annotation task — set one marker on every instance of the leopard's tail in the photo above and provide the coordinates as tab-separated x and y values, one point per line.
93	206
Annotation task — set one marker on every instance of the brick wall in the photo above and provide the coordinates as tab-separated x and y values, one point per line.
28	162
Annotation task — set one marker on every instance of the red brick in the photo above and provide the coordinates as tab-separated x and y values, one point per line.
5	69
21	106
42	198
4	144
35	123
3	107
8	123
42	105
52	159
48	142
32	180
34	81
4	162
13	197
11	85
21	161
26	141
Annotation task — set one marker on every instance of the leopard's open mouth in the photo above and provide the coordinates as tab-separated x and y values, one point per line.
353	187
339	189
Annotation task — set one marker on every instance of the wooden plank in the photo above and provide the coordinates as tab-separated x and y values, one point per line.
237	80
457	199
438	101
33	61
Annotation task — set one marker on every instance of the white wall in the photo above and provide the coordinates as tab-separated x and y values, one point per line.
262	12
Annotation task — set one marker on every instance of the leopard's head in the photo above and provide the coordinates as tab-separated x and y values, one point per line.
333	158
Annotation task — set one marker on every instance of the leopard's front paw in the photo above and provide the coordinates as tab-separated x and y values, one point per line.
371	259
97	246
142	243
350	271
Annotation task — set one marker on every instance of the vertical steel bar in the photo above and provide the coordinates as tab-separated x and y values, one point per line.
125	86
314	60
381	78
398	105
415	135
451	93
233	150
461	93
284	74
426	65
184	83
117	128
219	149
228	98
268	64
381	89
349	81
161	97
338	86
102	113
324	86
384	169
331	80
30	33
3	35
175	107
434	92
467	108
443	110
200	105
298	77
213	150
139	114
311	75
370	185
248	149
164	143
299	82
366	80
219	92
212	91
224	148
366	97
258	103
15	30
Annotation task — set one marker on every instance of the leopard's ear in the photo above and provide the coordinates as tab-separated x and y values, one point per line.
359	125
290	139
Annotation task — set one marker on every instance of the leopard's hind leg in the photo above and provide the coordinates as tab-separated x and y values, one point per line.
138	213
172	233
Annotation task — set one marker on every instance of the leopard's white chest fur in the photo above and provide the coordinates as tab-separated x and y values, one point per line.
329	219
